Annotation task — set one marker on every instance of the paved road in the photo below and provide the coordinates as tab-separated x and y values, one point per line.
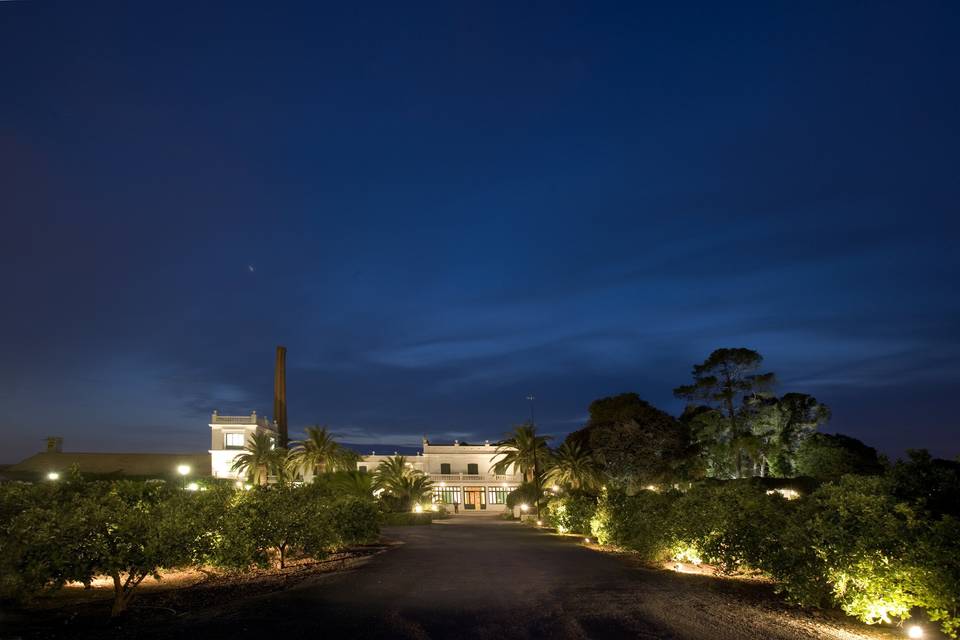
484	578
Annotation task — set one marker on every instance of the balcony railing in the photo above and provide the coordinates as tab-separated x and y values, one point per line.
475	477
251	419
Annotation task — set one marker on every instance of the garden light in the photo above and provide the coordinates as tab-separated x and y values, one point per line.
586	540
53	475
418	509
539	523
183	469
193	486
555	488
914	631
524	507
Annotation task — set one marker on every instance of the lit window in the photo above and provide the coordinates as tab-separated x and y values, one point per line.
497	495
233	440
447	495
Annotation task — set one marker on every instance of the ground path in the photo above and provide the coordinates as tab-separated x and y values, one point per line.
479	577
485	578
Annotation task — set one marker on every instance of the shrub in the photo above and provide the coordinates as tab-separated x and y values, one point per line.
405	518
638	523
353	521
526	493
571	512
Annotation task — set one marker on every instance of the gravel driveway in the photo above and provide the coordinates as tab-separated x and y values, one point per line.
479	577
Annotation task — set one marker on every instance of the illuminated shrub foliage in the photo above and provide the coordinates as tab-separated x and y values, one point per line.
855	543
54	533
571	513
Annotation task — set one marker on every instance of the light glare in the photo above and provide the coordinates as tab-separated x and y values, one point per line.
915	631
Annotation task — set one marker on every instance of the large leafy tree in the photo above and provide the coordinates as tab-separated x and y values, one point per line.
320	453
525	451
829	456
573	466
776	427
721	381
259	458
634	442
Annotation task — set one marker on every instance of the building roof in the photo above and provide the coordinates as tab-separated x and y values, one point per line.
124	464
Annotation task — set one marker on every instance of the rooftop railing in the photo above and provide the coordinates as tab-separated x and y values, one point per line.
252	419
475	477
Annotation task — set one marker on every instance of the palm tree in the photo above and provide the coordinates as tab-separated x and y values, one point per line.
258	458
525	451
575	467
284	465
390	473
353	483
320	453
395	478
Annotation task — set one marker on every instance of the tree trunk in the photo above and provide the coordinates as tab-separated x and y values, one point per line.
283	555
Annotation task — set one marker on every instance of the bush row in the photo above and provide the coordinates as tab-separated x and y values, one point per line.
853	543
54	533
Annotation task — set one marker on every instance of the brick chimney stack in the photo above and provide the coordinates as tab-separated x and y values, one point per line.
280	395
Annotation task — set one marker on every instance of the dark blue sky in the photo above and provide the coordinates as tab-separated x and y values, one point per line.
448	206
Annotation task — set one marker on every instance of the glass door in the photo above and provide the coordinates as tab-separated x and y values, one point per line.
474	498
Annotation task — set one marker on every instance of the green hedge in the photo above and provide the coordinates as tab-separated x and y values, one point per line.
405	518
850	543
57	532
570	513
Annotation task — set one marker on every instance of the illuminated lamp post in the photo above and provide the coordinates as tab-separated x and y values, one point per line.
536	469
184	471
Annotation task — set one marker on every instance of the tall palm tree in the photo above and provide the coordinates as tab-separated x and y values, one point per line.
258	458
525	451
319	452
574	467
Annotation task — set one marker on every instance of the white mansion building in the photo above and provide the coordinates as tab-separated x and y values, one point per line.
461	473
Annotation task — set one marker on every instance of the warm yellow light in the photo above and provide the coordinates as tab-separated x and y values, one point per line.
539	523
183	469
587	540
53	475
238	485
247	487
435	507
556	488
418	509
524	507
193	486
915	631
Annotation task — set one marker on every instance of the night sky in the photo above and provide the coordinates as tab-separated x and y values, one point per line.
442	208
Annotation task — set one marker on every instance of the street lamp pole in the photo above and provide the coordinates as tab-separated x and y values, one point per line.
536	469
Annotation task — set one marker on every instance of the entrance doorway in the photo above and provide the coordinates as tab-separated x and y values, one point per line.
474	498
